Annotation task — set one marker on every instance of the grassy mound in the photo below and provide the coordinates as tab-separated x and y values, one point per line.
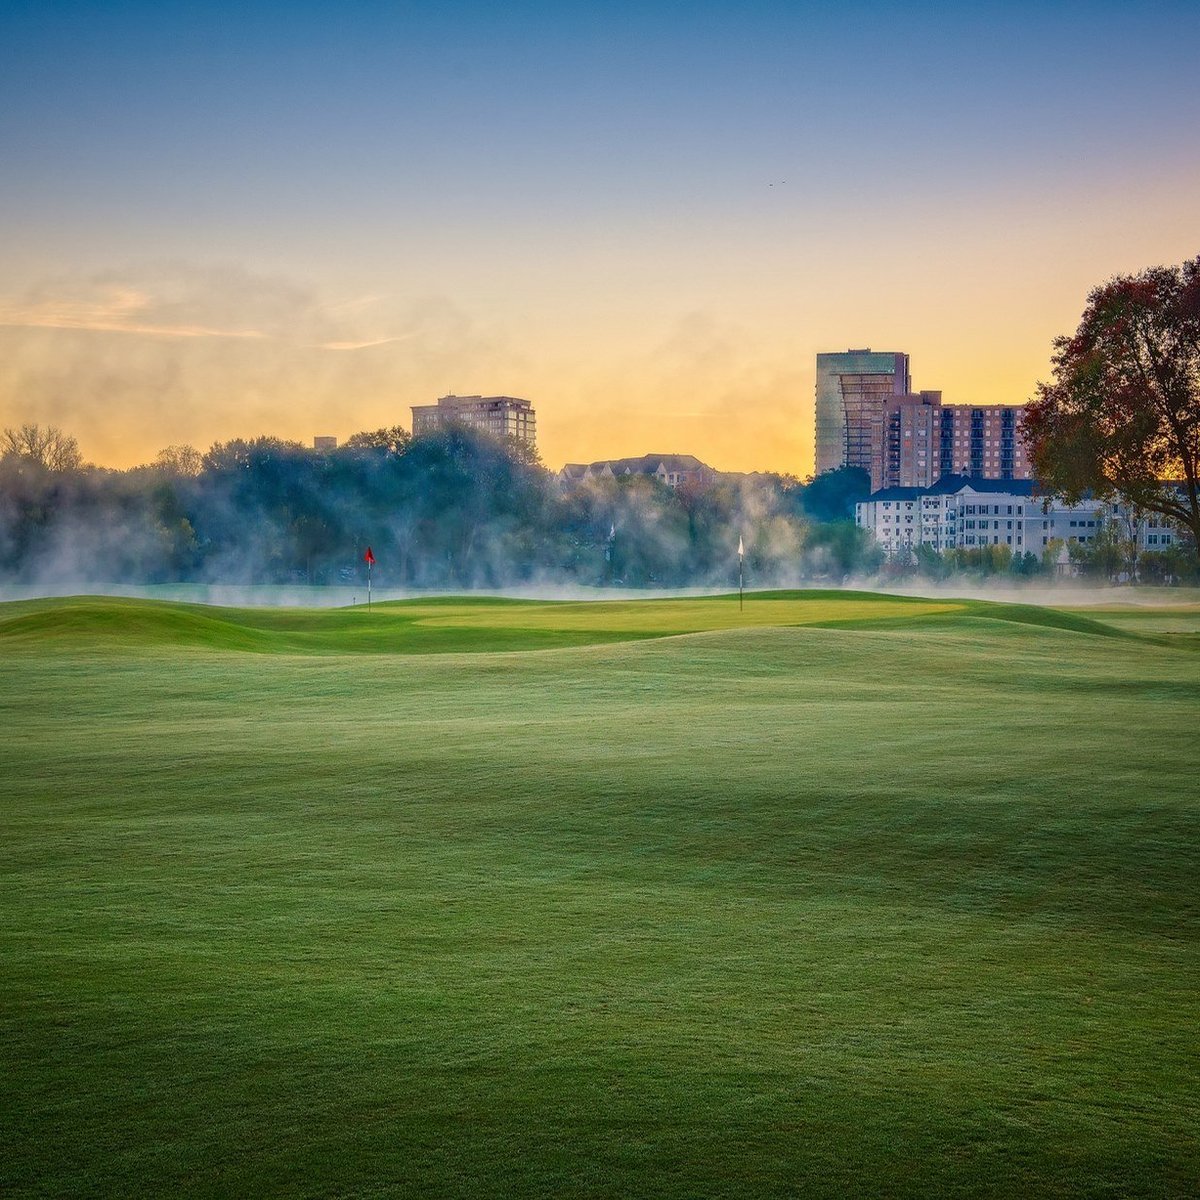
470	625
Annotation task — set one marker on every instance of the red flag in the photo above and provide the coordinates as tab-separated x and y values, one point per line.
369	558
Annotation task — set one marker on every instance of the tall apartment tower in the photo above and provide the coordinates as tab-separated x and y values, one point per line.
501	416
925	439
854	391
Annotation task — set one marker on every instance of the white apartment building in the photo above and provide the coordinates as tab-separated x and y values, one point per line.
960	512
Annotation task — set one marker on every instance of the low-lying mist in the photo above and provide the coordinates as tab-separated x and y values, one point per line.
273	522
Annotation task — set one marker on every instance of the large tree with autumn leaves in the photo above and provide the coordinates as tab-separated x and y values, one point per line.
1121	417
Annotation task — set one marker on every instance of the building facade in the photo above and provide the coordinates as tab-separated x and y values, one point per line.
926	439
670	469
868	416
957	512
501	416
854	389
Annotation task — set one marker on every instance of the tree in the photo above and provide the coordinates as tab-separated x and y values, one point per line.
832	494
1122	414
394	440
180	460
49	448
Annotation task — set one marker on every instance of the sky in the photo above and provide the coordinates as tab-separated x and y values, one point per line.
226	220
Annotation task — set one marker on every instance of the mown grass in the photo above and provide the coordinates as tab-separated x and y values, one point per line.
846	895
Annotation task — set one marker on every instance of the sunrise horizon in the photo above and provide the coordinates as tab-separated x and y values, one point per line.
224	222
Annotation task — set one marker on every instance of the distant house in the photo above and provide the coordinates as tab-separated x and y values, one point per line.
670	469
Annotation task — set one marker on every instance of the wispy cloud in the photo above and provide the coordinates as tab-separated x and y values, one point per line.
387	341
138	311
118	310
130	360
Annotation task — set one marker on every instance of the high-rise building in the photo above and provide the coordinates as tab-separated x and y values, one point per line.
854	389
984	442
869	417
911	441
926	439
501	416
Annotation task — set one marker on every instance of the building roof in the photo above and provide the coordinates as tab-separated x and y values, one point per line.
646	464
951	485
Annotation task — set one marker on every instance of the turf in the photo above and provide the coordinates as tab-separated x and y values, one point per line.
843	894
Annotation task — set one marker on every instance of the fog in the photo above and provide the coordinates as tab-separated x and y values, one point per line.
1064	595
271	522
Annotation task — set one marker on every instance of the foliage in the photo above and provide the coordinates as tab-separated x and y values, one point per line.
393	439
831	496
180	460
984	561
48	448
453	508
1122	414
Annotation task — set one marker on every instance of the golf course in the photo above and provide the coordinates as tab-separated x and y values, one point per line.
829	894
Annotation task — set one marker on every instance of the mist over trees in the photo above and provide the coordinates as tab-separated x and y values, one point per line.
451	509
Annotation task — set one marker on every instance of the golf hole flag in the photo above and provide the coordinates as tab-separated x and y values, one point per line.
369	559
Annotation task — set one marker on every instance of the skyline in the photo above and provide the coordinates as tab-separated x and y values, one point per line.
230	221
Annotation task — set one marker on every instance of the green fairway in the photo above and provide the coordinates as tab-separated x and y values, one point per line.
842	894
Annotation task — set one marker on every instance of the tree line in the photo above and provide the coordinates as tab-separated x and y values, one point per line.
455	508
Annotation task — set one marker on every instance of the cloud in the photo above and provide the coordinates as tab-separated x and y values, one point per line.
133	360
387	341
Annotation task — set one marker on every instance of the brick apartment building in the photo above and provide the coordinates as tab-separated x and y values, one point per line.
868	416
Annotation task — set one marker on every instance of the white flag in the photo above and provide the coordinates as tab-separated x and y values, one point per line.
740	550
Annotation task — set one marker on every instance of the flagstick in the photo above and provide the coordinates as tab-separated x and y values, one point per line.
741	582
369	565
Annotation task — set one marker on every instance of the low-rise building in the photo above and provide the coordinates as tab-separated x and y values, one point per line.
960	512
670	469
